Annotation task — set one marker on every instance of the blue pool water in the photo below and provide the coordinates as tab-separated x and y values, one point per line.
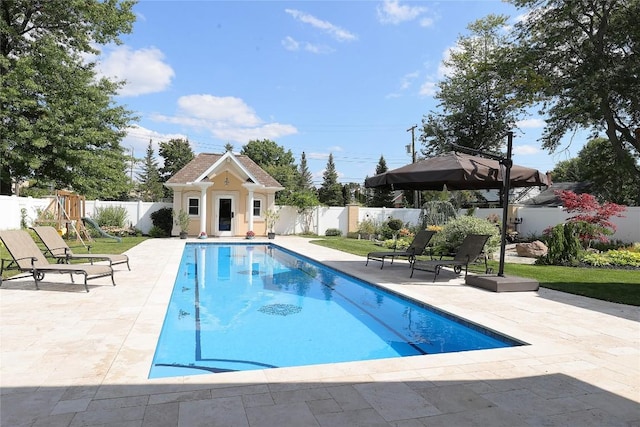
239	307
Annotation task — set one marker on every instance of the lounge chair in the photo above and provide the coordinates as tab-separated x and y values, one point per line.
58	249
416	248
470	249
27	258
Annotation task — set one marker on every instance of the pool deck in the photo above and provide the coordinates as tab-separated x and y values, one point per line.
71	358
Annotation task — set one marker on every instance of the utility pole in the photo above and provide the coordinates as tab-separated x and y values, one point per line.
416	193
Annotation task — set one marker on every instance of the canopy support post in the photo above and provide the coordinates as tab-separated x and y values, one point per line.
506	187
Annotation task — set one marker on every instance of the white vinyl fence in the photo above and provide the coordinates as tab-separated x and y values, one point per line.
534	219
13	208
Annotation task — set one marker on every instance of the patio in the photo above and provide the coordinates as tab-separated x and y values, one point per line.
71	358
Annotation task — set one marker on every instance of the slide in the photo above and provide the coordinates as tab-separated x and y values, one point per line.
100	230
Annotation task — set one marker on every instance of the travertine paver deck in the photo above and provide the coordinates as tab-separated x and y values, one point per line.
70	358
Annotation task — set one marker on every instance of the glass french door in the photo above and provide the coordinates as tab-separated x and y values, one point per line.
224	216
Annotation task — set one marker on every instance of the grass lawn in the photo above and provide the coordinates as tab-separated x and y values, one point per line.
621	286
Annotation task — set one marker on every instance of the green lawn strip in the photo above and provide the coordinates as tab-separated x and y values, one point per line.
352	246
621	286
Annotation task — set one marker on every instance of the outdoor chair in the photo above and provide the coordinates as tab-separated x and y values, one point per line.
57	248
417	246
471	248
27	258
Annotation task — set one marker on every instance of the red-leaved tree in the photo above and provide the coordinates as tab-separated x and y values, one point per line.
592	218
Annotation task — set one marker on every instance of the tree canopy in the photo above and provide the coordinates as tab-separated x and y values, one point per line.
176	153
276	161
611	180
477	99
59	123
330	192
305	179
581	60
381	197
150	185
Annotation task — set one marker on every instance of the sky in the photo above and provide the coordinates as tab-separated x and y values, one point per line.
348	78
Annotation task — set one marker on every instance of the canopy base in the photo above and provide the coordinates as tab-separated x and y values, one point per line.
502	283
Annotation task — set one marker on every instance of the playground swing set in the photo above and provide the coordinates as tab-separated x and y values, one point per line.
66	212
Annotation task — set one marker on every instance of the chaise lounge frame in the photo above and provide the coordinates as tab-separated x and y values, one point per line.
471	248
27	258
58	249
417	246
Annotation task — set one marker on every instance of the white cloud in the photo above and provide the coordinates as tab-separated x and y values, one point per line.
227	118
525	149
405	83
227	109
531	124
334	31
426	22
408	79
428	88
392	12
290	43
138	137
144	70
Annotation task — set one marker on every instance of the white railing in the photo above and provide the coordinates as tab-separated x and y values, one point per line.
534	219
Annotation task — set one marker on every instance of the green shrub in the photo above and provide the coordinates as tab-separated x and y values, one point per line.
608	245
596	260
399	244
453	233
635	247
613	257
390	228
333	232
395	224
156	231
163	219
368	228
564	246
111	216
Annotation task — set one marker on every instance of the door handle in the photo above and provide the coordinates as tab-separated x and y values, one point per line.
232	215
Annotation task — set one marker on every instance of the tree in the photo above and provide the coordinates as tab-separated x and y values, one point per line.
592	220
593	164
580	59
228	147
305	179
276	161
304	201
567	171
330	192
381	197
477	101
176	154
150	186
58	122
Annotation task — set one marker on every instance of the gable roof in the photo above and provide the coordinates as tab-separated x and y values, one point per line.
548	197
204	163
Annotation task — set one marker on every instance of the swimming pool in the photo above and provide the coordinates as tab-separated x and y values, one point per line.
255	306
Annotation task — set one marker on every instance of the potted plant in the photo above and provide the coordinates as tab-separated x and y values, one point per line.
250	234
182	220
270	218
